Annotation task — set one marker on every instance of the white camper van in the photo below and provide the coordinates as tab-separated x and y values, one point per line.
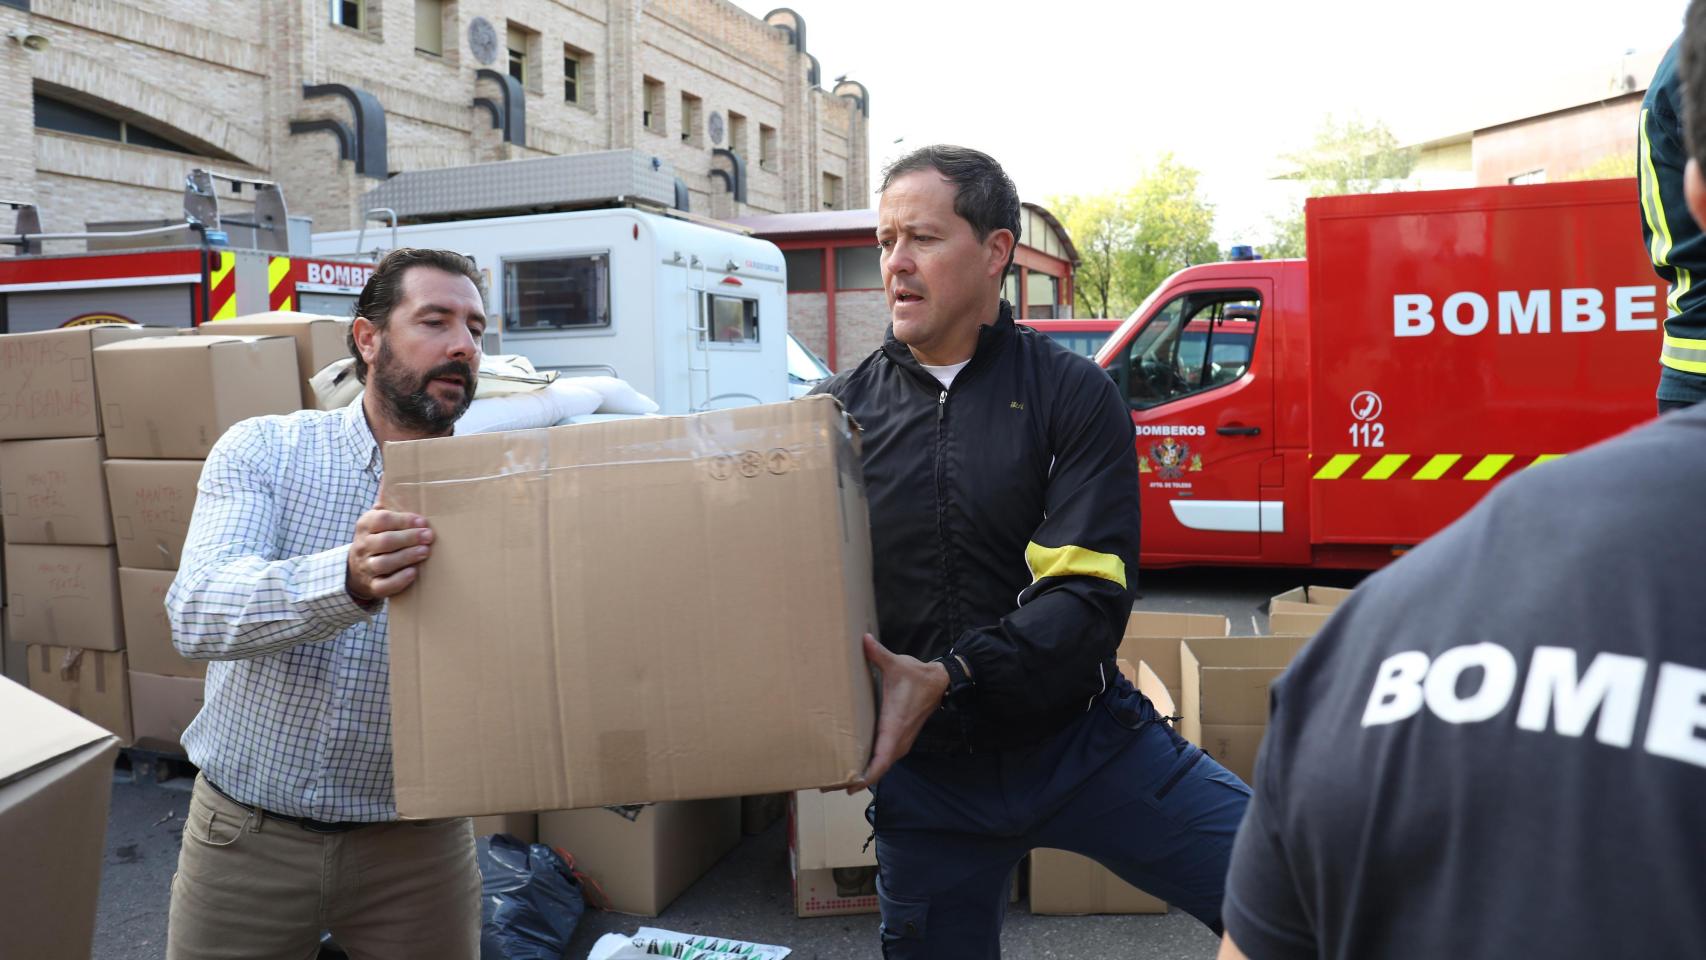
691	314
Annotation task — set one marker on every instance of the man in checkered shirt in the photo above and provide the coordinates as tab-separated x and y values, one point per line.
290	557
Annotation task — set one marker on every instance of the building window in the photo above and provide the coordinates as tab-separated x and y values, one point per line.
1042	293
730	320
429	27
832	192
523	47
737	134
66	117
692	120
805	270
1531	176
651	111
557	293
571	76
350	13
767	146
858	268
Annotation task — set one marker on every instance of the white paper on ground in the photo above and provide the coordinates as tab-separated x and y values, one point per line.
652	942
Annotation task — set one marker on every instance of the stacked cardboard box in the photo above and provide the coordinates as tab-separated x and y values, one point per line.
320	340
166	403
1068	884
55	785
61	564
1303	611
833	865
1225	705
642	857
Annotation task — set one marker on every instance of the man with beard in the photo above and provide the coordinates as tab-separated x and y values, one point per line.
290	557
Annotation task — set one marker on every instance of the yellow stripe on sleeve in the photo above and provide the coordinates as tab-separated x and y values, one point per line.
1073	561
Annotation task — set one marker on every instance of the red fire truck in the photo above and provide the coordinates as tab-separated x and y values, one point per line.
175	273
1334	411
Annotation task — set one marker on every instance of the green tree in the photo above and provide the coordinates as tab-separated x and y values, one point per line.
1352	156
1130	240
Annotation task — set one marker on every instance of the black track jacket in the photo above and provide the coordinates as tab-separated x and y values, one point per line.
1004	525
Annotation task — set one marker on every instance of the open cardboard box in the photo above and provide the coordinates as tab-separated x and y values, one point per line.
56	773
1153	637
1304	610
1225	706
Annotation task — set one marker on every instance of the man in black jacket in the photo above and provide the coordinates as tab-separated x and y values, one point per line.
1003	492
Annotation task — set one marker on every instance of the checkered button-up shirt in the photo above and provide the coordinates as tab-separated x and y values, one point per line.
297	715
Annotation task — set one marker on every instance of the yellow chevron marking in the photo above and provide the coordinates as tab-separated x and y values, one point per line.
1386	466
1337	466
1437	466
1489	466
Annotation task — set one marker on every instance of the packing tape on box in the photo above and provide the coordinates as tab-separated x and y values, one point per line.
726	455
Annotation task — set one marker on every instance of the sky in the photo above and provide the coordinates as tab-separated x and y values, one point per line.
1074	96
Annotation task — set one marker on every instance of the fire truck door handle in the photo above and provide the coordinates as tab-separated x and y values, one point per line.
1238	431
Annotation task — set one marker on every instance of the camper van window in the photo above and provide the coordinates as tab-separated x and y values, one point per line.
559	293
732	319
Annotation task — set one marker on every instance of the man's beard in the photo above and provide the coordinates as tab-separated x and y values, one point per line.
407	399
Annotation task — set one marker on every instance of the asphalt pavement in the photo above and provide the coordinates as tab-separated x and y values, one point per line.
747	895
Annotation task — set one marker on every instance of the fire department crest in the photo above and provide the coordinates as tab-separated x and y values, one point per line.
1170	459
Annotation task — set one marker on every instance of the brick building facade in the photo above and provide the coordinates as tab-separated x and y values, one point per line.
328	97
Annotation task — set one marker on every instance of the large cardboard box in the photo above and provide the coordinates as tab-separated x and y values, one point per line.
1304	610
56	773
47	380
152	501
320	339
590	584
1225	703
835	891
67	596
522	826
53	491
1067	884
171	398
147	629
161	708
643	857
834	869
90	683
1153	637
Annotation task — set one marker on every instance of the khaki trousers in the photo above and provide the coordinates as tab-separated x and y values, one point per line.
255	888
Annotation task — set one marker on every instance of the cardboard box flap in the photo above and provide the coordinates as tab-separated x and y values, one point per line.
39	731
560	676
1150	623
1151	686
1308	599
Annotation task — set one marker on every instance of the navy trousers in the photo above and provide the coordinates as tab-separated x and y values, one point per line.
1117	785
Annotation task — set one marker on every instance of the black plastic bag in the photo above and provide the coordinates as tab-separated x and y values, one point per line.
530	900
